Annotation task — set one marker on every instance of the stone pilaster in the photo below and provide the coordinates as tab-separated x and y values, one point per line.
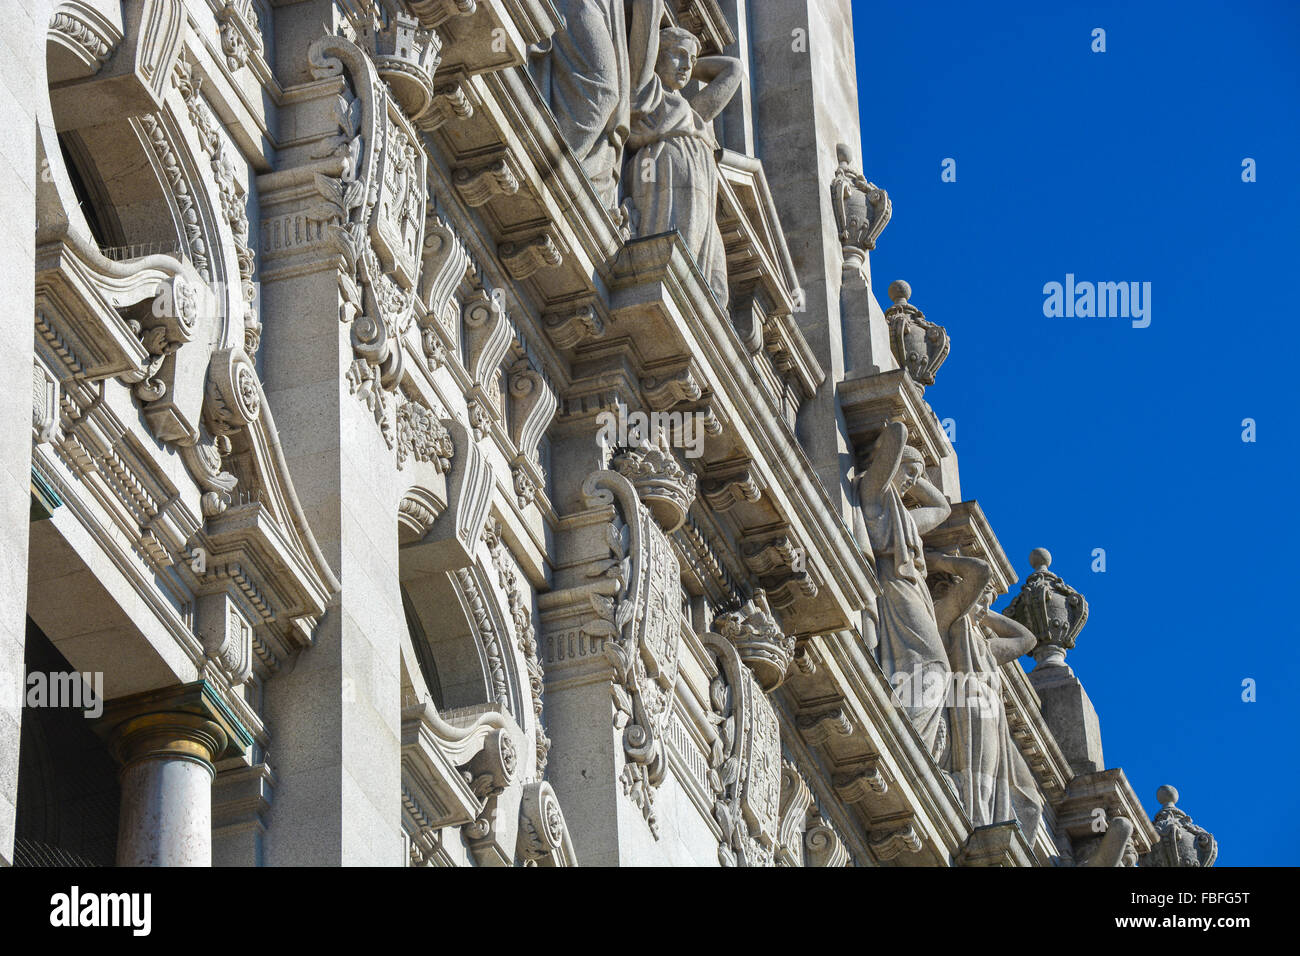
805	104
334	716
166	743
23	48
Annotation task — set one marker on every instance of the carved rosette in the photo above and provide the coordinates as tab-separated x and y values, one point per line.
757	638
744	761
663	484
635	595
1180	841
1051	609
918	344
862	210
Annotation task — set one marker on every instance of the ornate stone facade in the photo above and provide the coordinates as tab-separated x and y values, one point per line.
435	449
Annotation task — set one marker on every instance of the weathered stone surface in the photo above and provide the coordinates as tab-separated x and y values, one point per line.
464	433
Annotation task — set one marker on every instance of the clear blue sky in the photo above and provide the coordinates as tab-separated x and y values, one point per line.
1083	433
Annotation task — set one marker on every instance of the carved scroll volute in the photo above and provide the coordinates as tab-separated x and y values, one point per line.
796	798
745	770
487	336
445	264
532	406
635	594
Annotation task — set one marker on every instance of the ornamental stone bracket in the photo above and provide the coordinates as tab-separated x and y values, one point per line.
481	36
441	533
1090	805
486	178
726	484
998	844
570	327
544	838
461	769
872	402
895	839
99	59
782	568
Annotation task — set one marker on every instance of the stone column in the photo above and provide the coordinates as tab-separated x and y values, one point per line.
23	48
167	742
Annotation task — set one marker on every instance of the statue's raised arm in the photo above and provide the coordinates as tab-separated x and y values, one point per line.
886	455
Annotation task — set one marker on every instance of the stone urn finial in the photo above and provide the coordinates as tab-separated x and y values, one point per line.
862	209
1180	841
1051	609
918	344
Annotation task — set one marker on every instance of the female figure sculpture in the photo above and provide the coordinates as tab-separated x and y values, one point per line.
673	180
991	776
911	652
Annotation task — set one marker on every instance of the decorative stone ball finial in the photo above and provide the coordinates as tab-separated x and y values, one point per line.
1180	842
918	344
899	292
1051	609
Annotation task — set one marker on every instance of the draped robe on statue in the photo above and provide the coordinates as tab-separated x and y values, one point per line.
590	83
673	178
992	778
909	637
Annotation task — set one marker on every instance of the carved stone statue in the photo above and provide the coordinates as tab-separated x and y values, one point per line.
673	179
912	653
992	778
591	81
